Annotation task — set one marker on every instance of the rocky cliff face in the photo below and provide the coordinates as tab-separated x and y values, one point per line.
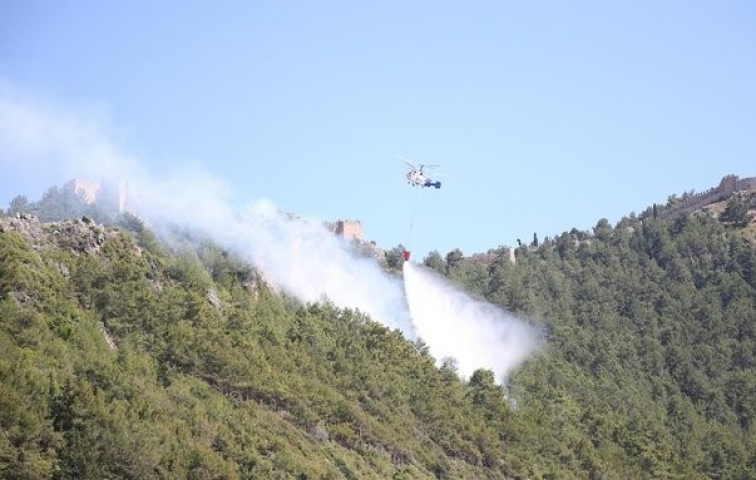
78	236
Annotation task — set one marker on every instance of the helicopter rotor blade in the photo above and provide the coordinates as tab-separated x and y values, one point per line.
406	160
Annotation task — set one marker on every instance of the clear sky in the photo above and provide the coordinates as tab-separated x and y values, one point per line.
546	115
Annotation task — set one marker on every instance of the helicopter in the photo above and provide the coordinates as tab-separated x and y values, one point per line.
418	177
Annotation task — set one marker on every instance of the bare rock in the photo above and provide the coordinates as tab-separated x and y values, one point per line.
212	297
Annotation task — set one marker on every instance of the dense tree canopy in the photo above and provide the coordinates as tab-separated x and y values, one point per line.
651	364
135	360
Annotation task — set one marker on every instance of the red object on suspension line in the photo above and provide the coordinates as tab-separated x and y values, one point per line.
406	255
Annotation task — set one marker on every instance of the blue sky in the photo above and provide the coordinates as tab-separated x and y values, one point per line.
546	115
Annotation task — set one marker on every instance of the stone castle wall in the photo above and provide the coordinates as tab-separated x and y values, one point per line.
729	185
87	191
348	229
112	193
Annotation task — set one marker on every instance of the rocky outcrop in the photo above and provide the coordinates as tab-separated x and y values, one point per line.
78	236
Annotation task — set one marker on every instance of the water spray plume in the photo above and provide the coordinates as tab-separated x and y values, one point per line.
476	334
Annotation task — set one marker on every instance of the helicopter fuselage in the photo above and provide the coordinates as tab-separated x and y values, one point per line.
418	178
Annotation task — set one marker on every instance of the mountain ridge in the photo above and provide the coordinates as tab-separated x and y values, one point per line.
649	369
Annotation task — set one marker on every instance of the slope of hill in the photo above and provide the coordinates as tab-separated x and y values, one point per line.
123	358
652	333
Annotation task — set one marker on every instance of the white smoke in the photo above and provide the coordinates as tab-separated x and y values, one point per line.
475	333
300	256
47	141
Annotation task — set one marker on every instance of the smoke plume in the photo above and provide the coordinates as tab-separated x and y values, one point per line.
298	255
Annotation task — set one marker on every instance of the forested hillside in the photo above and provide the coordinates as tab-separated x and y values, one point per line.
124	358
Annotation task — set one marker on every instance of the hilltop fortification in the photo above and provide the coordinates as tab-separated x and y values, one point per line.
347	229
110	192
728	186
